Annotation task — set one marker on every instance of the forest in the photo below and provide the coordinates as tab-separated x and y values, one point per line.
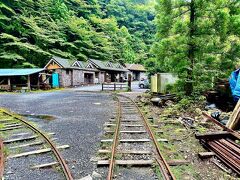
32	31
197	39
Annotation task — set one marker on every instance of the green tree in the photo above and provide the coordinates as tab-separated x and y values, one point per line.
32	31
195	40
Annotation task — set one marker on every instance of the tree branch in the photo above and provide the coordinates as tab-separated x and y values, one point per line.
181	13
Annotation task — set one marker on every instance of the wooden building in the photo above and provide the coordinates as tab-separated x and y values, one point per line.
66	73
108	71
137	71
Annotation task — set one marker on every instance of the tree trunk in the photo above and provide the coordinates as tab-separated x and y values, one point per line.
191	50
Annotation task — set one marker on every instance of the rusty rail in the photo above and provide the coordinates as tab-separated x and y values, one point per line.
56	152
164	167
226	150
1	159
115	142
221	125
223	145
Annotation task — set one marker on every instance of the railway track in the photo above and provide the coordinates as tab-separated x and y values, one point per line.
20	135
133	143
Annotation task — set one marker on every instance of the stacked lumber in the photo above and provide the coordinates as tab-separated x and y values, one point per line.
234	121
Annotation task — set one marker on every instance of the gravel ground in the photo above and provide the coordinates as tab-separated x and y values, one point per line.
136	174
79	123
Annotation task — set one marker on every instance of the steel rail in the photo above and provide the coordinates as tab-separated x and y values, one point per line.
164	167
56	152
236	134
1	159
222	156
115	142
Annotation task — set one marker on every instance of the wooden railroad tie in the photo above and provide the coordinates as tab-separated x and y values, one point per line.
142	162
40	151
105	151
20	139
112	121
46	165
130	132
126	125
26	145
133	140
129	125
23	138
127	162
204	155
214	135
7	125
11	128
7	120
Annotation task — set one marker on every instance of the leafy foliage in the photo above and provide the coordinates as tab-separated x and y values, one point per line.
33	31
197	39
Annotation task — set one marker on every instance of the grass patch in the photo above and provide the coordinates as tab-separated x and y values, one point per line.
185	172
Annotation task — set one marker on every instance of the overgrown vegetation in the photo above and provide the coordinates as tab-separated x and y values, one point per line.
33	31
182	144
197	39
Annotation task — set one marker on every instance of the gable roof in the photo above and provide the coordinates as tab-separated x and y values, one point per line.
107	65
63	63
79	64
66	63
135	67
19	72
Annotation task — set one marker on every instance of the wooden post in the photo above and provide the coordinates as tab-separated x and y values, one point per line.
9	83
102	86
234	120
114	86
29	83
129	82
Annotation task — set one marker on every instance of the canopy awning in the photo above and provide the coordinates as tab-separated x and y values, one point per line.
19	72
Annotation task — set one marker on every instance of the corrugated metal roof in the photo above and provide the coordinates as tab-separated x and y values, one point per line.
108	65
19	72
65	63
81	64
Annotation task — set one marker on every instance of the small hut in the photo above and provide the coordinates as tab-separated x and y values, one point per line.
20	79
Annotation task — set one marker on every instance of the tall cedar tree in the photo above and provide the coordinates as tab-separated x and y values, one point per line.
197	40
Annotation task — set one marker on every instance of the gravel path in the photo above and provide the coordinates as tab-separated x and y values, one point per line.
79	123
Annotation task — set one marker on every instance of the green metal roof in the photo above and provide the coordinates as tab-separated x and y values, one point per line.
107	65
65	63
19	72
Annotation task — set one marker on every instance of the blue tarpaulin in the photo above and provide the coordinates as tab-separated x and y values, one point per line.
235	84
